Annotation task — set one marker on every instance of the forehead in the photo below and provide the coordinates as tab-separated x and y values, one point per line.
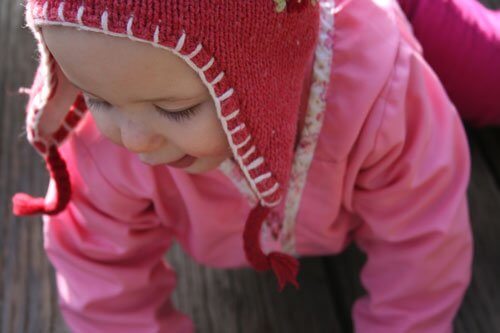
116	65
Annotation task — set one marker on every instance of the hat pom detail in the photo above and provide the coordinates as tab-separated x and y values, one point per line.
292	6
285	267
24	204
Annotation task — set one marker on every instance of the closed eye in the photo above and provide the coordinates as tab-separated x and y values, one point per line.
182	115
177	115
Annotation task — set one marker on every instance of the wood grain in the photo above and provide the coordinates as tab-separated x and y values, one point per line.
241	300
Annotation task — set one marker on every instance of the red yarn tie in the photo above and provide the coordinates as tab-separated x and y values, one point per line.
24	204
285	267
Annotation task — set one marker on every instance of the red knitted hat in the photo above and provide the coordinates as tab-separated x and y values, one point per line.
251	55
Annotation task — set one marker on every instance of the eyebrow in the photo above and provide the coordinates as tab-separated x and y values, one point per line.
159	99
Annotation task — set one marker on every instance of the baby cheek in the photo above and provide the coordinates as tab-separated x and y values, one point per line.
212	143
107	126
206	138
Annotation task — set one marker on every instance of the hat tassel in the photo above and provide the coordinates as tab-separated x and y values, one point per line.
285	267
24	204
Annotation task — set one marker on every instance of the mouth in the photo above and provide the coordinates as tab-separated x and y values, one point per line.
183	162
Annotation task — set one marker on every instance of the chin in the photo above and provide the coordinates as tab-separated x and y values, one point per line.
202	166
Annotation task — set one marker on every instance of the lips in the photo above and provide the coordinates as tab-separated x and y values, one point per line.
183	162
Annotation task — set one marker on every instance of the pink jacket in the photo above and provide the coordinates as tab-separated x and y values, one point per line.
389	168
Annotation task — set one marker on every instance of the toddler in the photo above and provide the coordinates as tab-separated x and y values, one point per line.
251	132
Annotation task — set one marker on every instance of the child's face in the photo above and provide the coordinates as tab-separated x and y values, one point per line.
137	94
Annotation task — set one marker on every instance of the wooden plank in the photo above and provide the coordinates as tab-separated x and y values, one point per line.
344	270
494	4
480	311
241	300
27	293
489	144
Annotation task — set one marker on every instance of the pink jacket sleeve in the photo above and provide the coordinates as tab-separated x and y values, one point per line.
461	41
410	194
107	249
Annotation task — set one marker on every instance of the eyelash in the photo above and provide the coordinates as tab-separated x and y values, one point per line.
175	116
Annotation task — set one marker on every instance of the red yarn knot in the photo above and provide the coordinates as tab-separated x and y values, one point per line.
285	267
24	204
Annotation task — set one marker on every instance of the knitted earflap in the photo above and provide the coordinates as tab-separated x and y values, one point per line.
24	204
42	93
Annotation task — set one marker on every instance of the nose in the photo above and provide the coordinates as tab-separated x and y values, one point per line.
139	138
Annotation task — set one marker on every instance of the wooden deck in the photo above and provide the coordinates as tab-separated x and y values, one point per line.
218	300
